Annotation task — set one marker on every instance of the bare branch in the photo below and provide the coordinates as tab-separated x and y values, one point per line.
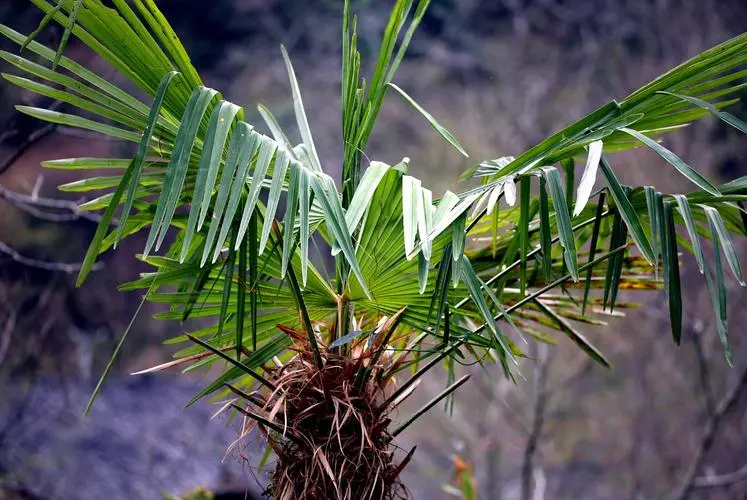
703	370
33	205
722	479
64	267
528	470
724	406
10	325
32	139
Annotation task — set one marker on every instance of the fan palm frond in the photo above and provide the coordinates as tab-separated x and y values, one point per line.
464	276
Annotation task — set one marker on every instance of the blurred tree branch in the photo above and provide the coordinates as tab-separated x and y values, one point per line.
10	324
65	267
31	364
43	208
721	480
703	370
528	469
32	204
28	138
35	205
19	151
725	405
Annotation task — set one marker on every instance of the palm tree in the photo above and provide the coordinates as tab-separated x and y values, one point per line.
318	363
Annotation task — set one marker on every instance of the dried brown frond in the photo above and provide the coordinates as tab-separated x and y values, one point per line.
340	446
329	426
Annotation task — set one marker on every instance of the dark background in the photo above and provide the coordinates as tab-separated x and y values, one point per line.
501	75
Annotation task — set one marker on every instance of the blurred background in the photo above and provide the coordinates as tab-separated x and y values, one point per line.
501	75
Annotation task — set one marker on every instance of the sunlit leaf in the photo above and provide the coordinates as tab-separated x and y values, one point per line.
411	199
562	219
627	212
654	217
593	249
675	161
177	170
448	136
523	230
139	158
721	115
282	160
686	213
717	291
545	228
717	224
303	123
589	177
77	4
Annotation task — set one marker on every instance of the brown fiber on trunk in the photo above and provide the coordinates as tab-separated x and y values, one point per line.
326	416
337	442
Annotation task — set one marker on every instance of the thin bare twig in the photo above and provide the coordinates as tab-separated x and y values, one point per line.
721	479
725	405
32	203
10	325
539	405
703	370
579	372
32	139
35	206
4	136
19	409
64	267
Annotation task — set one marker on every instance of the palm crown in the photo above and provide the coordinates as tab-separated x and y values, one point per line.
417	280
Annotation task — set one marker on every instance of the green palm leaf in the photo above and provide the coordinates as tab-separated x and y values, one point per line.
200	171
